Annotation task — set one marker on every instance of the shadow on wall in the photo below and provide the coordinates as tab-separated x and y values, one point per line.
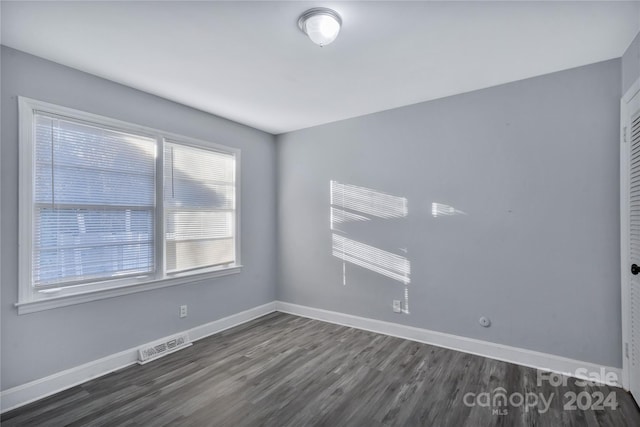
352	204
367	214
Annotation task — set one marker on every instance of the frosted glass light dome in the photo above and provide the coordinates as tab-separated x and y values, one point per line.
322	25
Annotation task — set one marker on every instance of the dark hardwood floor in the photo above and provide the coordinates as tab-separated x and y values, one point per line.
284	370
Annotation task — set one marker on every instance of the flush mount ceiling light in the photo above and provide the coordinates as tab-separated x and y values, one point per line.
322	25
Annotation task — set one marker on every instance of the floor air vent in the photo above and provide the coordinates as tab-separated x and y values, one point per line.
158	349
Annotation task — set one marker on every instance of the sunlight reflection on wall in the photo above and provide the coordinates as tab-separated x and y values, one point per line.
367	201
440	209
388	264
339	216
350	203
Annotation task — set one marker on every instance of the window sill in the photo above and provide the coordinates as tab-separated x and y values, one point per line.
50	302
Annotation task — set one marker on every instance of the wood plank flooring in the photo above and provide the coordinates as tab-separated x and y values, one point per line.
283	370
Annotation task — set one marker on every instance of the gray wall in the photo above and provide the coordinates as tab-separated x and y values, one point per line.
39	344
631	64
533	164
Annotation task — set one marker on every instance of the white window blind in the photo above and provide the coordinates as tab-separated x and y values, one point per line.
94	203
109	208
199	202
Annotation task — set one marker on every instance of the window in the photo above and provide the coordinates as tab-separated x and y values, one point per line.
199	206
108	207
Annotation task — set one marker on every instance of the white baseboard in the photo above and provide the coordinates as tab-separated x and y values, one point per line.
29	392
519	356
26	393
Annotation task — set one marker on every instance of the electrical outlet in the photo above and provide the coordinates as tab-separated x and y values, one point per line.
397	306
183	311
484	322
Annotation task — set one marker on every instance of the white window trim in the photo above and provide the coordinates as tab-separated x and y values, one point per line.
30	300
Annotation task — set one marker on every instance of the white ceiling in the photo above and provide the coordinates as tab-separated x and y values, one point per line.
248	61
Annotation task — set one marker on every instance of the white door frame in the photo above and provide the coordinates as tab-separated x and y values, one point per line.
624	229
